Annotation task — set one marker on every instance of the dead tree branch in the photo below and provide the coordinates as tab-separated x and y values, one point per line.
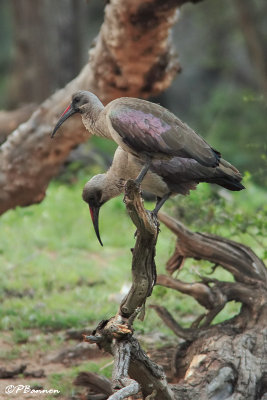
115	335
99	384
167	318
143	264
132	56
248	270
236	258
122	384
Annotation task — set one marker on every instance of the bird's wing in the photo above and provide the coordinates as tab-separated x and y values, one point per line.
179	171
149	128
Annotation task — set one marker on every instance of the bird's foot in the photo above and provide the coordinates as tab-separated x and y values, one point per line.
154	216
138	181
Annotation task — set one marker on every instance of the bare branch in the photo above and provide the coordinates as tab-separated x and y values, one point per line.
237	258
131	388
125	386
167	318
122	354
205	295
94	381
143	265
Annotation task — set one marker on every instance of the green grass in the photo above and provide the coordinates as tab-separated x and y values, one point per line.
55	275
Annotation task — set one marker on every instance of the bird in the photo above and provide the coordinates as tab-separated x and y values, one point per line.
142	128
165	178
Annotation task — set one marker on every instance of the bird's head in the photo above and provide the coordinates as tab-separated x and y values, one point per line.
83	102
98	191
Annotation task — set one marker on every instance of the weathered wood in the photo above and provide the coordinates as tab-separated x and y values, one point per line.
97	383
123	385
227	360
9	120
223	361
115	335
167	318
223	364
235	257
143	264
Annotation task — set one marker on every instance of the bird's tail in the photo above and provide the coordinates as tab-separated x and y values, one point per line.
227	176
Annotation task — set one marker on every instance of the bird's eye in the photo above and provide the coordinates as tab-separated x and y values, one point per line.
76	100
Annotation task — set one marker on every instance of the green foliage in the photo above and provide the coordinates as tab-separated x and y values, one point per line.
241	216
236	121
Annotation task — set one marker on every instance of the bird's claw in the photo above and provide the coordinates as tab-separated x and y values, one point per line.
153	215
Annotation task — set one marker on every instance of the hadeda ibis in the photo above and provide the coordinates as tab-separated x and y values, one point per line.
164	178
144	129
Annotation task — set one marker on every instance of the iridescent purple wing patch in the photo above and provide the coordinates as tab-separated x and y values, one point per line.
140	130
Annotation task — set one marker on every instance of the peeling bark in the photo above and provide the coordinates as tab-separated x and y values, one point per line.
10	120
131	57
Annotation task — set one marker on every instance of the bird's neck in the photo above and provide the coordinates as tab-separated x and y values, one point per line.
114	185
95	121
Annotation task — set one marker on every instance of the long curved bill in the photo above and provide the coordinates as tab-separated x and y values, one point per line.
94	211
66	114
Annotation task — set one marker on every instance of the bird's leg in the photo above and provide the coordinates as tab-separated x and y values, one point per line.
143	172
160	202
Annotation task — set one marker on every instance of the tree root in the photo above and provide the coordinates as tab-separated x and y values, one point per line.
248	270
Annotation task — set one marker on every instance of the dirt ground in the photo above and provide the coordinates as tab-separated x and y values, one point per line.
49	362
34	364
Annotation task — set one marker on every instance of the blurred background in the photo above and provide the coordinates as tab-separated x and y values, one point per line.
222	50
54	274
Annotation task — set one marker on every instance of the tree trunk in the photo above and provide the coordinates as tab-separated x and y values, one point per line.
9	120
132	56
47	50
254	41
